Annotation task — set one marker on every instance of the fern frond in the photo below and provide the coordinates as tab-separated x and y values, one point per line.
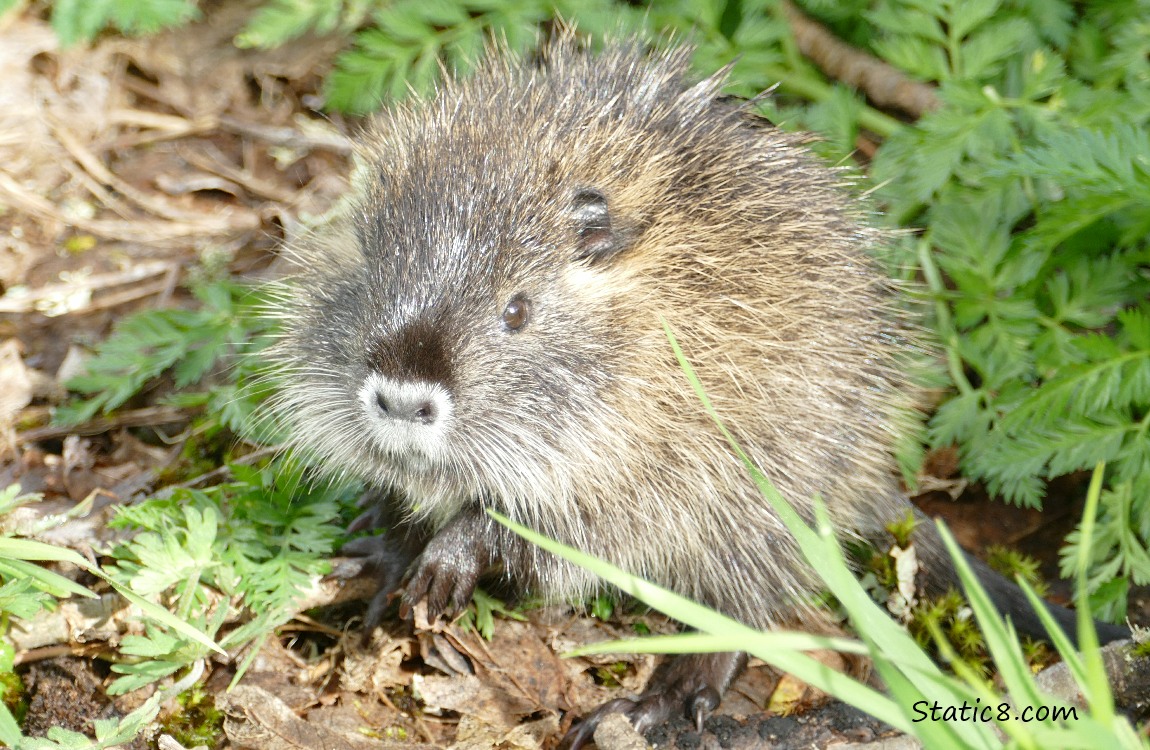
81	20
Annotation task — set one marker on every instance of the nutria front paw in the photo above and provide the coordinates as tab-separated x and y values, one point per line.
445	575
694	683
645	712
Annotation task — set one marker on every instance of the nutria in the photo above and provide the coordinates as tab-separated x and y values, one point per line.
482	328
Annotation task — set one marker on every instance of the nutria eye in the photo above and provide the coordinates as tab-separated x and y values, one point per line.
516	313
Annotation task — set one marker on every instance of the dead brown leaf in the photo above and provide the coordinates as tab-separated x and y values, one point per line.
376	669
15	392
519	662
257	719
471	696
584	692
474	734
751	692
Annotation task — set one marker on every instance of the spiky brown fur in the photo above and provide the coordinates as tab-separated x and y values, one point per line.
582	425
482	327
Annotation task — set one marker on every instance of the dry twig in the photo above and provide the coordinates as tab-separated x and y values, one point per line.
886	86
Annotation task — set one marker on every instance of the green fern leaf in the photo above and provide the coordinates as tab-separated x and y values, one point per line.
80	20
280	21
983	53
966	16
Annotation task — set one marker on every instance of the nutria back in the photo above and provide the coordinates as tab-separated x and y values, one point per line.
483	327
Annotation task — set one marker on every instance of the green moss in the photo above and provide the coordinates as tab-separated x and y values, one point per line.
198	723
1012	563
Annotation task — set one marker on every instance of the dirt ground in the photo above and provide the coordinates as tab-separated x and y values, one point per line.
125	164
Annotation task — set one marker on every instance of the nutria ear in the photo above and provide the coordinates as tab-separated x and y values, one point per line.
597	239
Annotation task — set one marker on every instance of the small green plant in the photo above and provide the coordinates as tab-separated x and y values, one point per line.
199	723
480	614
254	543
81	20
610	674
1012	563
278	22
27	588
602	607
928	616
225	332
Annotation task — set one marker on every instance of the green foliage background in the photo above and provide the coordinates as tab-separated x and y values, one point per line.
1027	190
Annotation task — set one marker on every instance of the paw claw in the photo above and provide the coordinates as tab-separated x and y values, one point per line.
701	704
376	609
445	583
692	684
365	520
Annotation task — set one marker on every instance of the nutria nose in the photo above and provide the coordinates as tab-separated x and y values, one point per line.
405	406
406	417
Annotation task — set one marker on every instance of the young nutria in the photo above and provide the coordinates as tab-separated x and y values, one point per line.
482	328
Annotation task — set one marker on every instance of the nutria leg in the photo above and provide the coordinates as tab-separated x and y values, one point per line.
443	568
449	568
692	683
445	572
385	556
